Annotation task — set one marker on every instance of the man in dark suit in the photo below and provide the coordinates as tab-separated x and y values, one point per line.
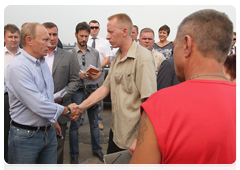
234	49
65	76
166	74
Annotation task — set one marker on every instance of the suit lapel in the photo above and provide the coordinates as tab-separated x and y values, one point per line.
57	58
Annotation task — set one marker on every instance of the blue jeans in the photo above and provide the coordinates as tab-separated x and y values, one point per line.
30	147
94	129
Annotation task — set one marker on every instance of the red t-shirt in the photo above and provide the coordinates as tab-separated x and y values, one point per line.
195	122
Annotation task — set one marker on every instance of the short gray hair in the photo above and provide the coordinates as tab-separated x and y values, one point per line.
211	30
30	29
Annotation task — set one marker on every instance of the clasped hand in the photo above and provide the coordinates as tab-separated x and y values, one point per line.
75	112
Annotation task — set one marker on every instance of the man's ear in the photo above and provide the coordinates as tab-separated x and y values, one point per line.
187	45
29	40
125	31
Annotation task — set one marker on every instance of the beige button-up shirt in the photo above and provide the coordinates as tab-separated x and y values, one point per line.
131	80
158	58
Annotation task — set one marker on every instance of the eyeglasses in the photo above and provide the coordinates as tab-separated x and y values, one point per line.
234	39
94	27
83	60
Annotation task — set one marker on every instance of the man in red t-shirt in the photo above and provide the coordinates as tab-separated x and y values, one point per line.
193	122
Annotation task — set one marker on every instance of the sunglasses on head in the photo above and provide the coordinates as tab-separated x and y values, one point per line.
83	60
94	27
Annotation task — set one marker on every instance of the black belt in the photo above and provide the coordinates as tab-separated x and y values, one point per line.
90	86
44	128
87	87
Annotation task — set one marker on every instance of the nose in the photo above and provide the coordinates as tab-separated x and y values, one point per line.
108	36
51	37
48	43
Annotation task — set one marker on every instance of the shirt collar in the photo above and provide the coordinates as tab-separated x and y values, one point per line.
131	51
32	59
7	51
54	51
90	37
78	49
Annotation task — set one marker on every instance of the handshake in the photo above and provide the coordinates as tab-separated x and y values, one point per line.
76	111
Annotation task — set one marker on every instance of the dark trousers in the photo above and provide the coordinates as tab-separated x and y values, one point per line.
112	147
60	141
6	126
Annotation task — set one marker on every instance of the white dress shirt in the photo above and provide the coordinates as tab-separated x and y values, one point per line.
8	58
49	58
232	50
102	46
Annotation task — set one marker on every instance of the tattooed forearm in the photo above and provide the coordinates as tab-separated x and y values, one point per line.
142	128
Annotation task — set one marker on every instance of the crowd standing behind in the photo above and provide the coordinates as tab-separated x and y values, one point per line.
103	47
64	71
146	40
11	51
138	68
85	55
164	46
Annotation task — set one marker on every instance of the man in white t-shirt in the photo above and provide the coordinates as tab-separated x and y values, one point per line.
103	47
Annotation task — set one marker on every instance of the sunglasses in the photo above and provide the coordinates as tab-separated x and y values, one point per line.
83	60
94	27
234	39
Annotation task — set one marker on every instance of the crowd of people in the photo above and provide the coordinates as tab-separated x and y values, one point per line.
172	102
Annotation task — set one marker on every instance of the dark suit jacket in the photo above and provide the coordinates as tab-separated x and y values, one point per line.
236	49
166	74
65	75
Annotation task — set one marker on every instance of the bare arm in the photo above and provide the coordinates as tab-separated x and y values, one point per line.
147	151
105	61
95	97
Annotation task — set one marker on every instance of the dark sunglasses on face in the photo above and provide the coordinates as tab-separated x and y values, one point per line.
94	27
234	39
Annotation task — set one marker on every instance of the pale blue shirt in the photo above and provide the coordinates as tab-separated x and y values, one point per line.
30	89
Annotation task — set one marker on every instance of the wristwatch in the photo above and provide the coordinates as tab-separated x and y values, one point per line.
68	112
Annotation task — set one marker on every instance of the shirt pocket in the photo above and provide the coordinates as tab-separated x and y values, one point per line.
125	79
23	134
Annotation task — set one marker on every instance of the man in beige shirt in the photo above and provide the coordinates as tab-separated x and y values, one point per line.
146	40
131	80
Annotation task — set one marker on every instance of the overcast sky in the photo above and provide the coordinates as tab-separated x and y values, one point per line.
66	17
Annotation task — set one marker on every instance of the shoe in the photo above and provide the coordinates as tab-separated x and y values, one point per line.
99	155
101	126
74	160
81	121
